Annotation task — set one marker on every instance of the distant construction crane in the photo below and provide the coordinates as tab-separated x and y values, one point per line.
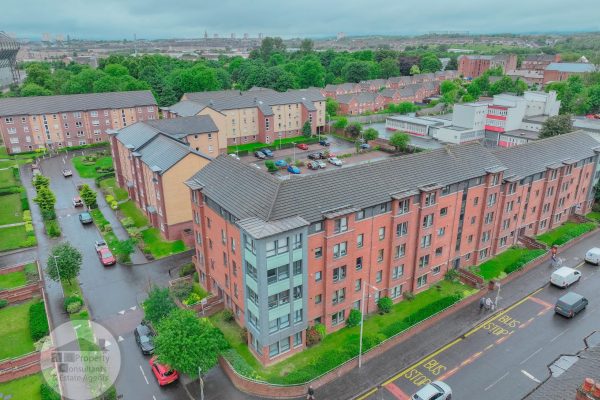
9	48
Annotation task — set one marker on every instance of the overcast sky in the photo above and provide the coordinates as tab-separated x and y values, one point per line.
118	19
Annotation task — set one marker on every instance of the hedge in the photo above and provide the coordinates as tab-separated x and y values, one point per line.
11	190
38	322
24	202
48	393
103	176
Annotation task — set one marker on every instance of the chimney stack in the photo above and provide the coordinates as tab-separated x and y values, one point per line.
589	390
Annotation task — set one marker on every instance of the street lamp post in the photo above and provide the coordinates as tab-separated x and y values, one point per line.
201	383
362	318
59	277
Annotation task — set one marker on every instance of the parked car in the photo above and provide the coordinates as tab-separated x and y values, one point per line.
324	142
85	218
293	170
259	155
312	165
437	390
67	173
99	244
365	146
302	146
143	337
335	161
570	304
106	256
267	152
593	256
281	164
77	202
315	156
163	373
565	277
233	155
321	163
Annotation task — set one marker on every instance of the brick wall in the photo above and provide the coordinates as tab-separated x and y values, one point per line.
13	368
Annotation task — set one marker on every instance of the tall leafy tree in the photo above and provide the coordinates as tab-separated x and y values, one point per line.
33	89
400	140
370	134
389	68
307	129
311	72
64	262
356	71
158	305
415	70
557	125
430	63
88	196
307	46
45	199
331	106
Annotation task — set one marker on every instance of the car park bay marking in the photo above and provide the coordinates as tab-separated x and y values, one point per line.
396	391
144	375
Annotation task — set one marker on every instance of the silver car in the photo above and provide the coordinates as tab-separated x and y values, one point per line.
436	390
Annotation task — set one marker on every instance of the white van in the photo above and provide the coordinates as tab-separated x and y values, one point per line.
593	256
565	276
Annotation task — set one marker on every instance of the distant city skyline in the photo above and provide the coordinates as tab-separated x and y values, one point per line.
151	19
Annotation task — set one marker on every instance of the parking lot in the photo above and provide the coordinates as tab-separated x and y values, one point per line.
337	147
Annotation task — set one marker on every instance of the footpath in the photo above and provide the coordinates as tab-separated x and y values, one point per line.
379	369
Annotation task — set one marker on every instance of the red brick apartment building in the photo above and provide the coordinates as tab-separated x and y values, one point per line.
283	260
29	123
556	72
539	62
472	66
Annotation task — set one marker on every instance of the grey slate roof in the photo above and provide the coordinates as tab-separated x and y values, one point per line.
247	192
136	135
75	102
571	67
185	108
181	127
388	92
164	152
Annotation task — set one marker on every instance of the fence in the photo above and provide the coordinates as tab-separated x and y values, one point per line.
24	292
208	306
13	368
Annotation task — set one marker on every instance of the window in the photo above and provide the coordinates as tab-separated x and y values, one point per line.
251	270
383	207
444	212
318	299
426	241
489	217
445	190
297	241
483	254
427	221
495	180
338	296
208	222
252	296
318	226
512	188
382	233
402	229
340	225
278	246
485	236
398	271
360	215
550	191
249	242
509	206
297	339
338	317
441	231
318	276
553	174
223	237
340	250
429	199
503	241
339	273
357	285
359	263
360	240
421	281
278	274
436	270
491	199
396	292
380	255
424	261
403	206
9	120
476	201
318	252
297	292
543	224
473	219
400	250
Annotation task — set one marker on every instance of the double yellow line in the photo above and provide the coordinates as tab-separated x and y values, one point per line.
449	345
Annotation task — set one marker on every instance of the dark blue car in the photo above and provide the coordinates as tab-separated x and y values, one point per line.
293	170
281	164
267	152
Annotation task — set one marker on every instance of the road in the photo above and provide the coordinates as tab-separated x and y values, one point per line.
507	355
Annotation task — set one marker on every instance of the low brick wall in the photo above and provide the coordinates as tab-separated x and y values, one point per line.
22	293
13	368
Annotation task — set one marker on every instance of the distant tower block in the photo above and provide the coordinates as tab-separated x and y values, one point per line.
216	35
9	48
46	37
245	36
341	35
260	35
233	35
60	38
205	35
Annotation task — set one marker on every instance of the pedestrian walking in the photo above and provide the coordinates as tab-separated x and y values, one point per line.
481	303
311	394
489	304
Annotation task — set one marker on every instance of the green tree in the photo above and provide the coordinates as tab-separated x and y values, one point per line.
557	125
88	196
33	89
124	250
270	45
203	343
370	134
341	123
415	70
116	70
307	46
385	304
356	71
448	86
354	318
45	199
430	63
452	64
592	101
64	262
389	67
331	106
307	129
354	129
400	141
158	305
41	181
38	73
311	72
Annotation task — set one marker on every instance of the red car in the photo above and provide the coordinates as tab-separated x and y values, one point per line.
106	257
302	146
164	374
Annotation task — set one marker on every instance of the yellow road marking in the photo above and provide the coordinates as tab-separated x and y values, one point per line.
489	346
364	396
579	265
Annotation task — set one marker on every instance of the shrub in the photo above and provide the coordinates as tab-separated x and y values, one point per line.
29	242
299	163
74	308
26	216
187	269
114	205
244	335
3	303
270	164
134	232
182	290
109	198
312	336
127	222
28	227
451	275
106	228
72	300
193	298
228	315
38	323
385	304
408	296
322	330
52	228
47	393
432	309
48	215
354	318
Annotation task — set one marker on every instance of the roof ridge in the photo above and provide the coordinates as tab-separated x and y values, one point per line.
274	201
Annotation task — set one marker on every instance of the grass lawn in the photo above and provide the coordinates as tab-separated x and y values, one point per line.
250	147
158	246
3	153
342	345
511	259
15	237
89	171
7	178
15	339
27	387
594	216
10	209
12	280
6	163
129	209
110	237
565	232
110	185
